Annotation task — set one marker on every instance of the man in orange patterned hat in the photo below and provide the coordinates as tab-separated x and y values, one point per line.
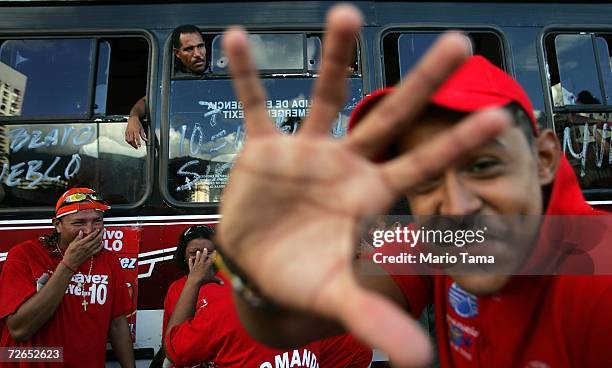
65	291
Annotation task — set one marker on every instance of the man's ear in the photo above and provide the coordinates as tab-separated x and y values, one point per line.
548	152
56	223
175	51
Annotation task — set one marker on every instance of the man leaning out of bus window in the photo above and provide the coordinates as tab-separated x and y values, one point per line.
465	144
190	61
65	290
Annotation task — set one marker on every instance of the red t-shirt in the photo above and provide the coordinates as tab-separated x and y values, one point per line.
534	321
172	297
82	334
215	334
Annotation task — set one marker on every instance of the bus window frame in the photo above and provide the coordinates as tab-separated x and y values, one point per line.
594	196
97	33
497	31
573	29
168	77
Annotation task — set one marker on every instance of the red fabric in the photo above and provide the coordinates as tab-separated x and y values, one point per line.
62	209
82	334
535	321
174	292
216	335
477	85
344	351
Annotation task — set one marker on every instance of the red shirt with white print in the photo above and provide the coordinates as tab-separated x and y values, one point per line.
81	333
534	321
172	297
216	335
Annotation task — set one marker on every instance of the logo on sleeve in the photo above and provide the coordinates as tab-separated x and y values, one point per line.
202	303
463	303
462	338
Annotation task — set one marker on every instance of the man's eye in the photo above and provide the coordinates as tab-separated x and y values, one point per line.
484	166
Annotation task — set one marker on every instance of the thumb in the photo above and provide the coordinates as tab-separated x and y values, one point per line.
379	323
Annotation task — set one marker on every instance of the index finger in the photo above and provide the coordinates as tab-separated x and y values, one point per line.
247	85
329	95
400	108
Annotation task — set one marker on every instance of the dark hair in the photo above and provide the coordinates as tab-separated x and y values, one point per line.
521	120
185	28
51	242
191	233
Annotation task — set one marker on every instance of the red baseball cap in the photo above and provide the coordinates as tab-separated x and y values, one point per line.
475	85
79	199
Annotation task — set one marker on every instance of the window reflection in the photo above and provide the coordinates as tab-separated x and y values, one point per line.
605	64
403	50
57	71
206	132
102	74
578	81
270	52
41	161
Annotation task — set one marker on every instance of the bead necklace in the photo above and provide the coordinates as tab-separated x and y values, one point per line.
81	285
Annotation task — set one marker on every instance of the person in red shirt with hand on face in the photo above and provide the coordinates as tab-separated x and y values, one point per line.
65	291
201	326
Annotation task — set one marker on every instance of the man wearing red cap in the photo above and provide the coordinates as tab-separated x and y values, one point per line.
65	291
457	138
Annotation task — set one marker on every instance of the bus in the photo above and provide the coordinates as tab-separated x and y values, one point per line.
71	70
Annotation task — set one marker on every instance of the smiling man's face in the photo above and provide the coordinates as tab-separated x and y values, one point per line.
499	182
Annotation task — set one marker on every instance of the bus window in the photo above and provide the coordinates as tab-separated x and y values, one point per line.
205	120
580	84
410	47
578	81
69	131
273	52
57	74
402	50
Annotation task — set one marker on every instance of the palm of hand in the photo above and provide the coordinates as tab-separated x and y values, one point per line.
297	201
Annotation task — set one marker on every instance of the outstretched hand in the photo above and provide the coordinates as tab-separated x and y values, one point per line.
291	210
